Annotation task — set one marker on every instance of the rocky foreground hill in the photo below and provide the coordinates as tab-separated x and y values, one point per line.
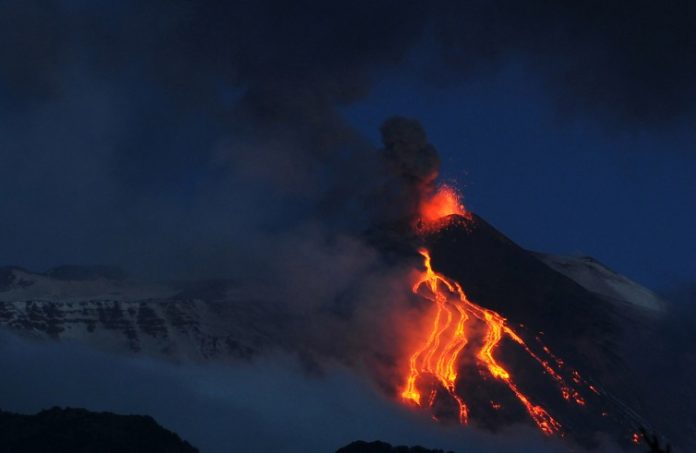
59	430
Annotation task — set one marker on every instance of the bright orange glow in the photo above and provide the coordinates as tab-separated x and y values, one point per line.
438	356
443	203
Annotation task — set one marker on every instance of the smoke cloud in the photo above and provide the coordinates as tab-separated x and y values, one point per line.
156	135
630	64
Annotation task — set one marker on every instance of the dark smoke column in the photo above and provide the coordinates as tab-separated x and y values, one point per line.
412	166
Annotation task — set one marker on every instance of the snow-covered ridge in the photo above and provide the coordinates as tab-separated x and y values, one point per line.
598	278
116	315
206	321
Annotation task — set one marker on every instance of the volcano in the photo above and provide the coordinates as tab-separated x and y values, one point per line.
547	348
573	316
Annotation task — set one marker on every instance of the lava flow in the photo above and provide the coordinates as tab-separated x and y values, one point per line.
459	327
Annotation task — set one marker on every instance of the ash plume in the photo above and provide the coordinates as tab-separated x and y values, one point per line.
407	151
412	165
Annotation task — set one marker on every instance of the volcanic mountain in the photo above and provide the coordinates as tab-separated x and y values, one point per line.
574	314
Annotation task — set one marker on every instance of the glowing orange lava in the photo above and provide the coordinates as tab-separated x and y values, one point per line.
443	203
447	339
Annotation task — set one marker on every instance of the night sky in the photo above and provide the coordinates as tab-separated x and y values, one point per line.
169	137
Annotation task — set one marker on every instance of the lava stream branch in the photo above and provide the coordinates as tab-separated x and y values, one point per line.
439	354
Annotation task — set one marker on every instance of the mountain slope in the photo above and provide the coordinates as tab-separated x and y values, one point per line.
600	323
157	320
598	278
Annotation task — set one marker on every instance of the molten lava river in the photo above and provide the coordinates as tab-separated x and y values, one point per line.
459	327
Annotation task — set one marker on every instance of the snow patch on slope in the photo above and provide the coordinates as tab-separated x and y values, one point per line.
598	278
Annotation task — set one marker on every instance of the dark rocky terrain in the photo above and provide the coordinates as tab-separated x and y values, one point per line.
587	314
590	316
360	446
60	430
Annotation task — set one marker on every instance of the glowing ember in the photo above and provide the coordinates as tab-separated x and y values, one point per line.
635	438
443	203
